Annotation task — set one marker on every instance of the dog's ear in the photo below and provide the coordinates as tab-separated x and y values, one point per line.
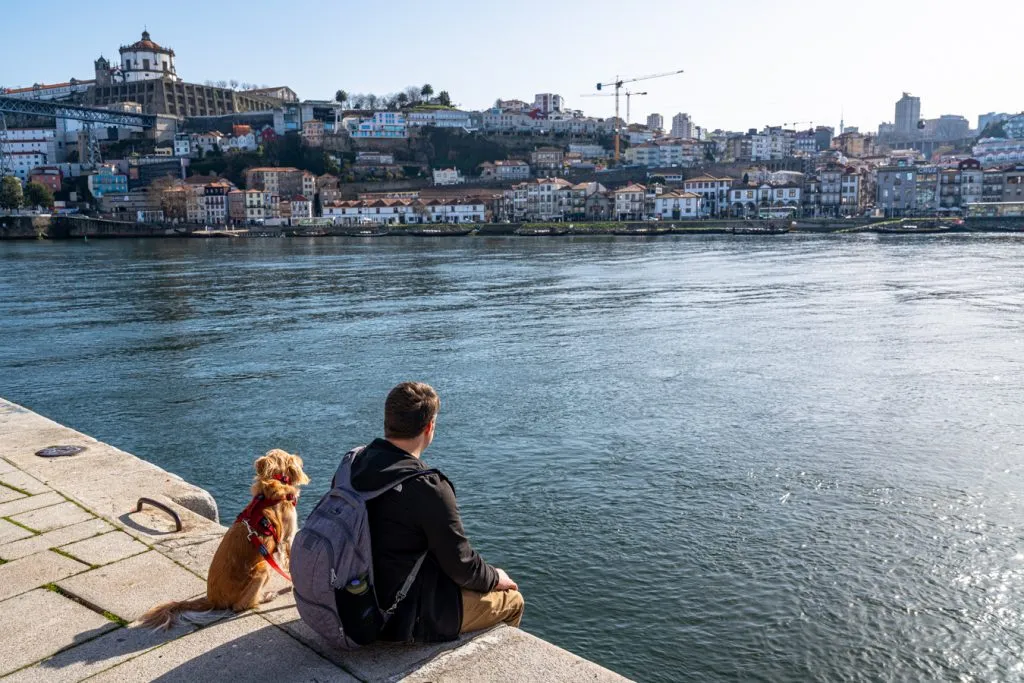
264	466
295	471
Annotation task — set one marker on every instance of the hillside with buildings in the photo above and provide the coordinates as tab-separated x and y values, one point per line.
137	141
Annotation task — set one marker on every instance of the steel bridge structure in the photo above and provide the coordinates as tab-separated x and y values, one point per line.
90	116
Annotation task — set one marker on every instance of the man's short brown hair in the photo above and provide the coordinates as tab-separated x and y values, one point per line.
408	410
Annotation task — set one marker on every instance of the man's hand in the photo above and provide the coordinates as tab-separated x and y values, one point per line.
504	582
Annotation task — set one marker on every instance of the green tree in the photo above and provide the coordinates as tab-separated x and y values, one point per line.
444	99
401	99
341	97
427	91
37	194
11	196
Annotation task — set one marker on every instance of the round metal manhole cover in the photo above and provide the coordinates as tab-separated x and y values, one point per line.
59	451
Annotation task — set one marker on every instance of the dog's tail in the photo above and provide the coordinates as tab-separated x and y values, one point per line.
163	616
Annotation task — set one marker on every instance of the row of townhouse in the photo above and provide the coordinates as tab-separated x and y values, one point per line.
907	189
243	139
248	207
405	211
555	199
196	200
511	120
765	200
999	152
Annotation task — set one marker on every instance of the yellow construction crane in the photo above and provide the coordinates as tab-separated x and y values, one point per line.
618	83
628	95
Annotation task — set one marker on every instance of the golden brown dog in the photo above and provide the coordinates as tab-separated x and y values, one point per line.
238	571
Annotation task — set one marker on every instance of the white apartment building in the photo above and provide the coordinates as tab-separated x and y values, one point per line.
646	154
55	91
208	142
382	125
243	143
503	120
22	163
765	200
663	152
505	170
638	136
32	142
448	176
682	126
548	102
454	211
656	122
588	151
182	145
441	118
630	203
714	193
543	199
301	207
676	205
405	211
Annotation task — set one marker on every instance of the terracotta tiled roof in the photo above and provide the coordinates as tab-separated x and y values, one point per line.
146	44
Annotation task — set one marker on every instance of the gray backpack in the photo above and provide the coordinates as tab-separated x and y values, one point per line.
332	565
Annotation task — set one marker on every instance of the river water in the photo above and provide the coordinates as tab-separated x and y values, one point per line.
723	458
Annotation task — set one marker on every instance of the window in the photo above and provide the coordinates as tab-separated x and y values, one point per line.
145	65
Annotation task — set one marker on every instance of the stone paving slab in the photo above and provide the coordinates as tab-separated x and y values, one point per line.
242	650
194	552
6	466
31	503
52	517
7	495
21	480
508	655
377	662
12	532
104	549
39	623
130	587
97	655
53	539
34	571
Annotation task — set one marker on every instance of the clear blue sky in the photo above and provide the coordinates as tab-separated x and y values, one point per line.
747	63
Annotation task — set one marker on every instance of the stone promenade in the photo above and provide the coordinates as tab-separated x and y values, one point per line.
79	566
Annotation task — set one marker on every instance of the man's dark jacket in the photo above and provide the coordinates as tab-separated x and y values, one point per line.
419	515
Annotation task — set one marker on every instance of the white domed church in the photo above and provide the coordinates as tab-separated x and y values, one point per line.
145	60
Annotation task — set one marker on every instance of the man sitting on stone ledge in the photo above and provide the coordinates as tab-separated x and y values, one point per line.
455	591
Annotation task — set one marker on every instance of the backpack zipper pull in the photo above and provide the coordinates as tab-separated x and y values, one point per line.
334	579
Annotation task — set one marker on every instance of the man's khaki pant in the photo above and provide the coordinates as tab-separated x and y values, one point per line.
483	610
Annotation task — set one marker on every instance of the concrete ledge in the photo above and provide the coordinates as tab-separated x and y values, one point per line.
69	525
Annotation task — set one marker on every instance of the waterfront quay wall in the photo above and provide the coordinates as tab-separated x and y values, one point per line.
75	227
81	561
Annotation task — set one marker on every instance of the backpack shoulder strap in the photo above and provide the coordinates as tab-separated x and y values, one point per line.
370	495
343	477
